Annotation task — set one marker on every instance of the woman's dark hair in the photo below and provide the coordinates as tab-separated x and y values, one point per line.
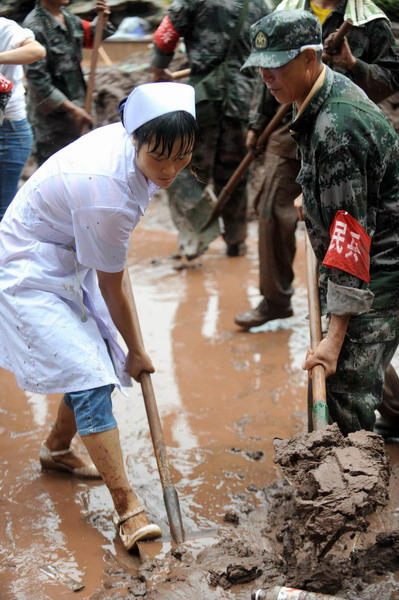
162	133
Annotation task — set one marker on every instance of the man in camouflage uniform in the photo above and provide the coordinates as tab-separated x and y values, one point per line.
350	181
208	27
370	58
56	85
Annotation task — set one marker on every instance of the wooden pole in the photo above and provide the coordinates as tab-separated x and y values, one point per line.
318	408
171	499
98	36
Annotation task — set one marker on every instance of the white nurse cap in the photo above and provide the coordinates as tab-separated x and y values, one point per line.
151	100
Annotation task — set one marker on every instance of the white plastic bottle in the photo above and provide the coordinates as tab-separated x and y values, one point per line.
286	593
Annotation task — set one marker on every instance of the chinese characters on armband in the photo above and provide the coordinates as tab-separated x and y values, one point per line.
349	248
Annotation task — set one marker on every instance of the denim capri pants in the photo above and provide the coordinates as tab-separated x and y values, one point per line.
92	409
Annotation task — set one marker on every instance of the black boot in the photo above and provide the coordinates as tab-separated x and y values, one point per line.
264	312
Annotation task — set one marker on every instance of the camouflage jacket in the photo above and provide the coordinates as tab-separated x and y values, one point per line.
58	76
207	26
376	70
350	161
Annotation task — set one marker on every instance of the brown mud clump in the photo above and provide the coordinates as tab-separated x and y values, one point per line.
338	480
269	546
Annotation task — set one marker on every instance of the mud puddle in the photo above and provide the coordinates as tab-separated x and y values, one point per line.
223	395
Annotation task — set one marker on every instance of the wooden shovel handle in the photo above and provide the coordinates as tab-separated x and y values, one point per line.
149	397
98	36
341	33
169	492
180	74
318	383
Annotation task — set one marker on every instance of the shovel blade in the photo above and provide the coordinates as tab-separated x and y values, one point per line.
195	542
174	515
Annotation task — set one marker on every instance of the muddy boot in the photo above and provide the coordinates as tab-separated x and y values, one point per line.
387	424
238	249
264	312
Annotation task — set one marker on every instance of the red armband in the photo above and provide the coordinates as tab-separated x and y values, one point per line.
5	84
349	248
87	34
166	36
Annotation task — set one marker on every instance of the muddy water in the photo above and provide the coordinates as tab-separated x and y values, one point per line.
223	395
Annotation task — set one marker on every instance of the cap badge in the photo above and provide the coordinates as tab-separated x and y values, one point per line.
261	41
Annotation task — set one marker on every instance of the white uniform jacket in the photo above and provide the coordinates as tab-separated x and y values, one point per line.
73	216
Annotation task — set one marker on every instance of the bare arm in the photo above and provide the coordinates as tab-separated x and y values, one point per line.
328	349
28	52
117	301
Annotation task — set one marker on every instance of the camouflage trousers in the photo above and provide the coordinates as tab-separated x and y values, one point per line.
52	132
218	152
355	390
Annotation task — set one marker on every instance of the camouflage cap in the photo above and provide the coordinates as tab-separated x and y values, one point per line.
280	36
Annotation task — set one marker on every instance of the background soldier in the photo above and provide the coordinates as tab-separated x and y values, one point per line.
216	36
56	85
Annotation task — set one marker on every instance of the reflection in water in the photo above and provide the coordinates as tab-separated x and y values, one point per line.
46	543
161	304
39	404
183	434
209	327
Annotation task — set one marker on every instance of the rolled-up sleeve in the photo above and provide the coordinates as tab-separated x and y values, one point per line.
343	185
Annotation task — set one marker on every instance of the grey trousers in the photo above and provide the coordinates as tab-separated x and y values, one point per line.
277	224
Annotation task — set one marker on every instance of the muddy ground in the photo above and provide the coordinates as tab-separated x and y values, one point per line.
223	396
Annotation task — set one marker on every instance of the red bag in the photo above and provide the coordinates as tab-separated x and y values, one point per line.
5	84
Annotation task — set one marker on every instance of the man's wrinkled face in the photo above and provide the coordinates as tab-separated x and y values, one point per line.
291	82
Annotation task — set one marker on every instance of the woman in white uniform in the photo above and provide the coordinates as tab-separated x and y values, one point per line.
63	248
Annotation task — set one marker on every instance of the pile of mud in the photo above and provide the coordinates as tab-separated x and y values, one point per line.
339	480
263	547
310	535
